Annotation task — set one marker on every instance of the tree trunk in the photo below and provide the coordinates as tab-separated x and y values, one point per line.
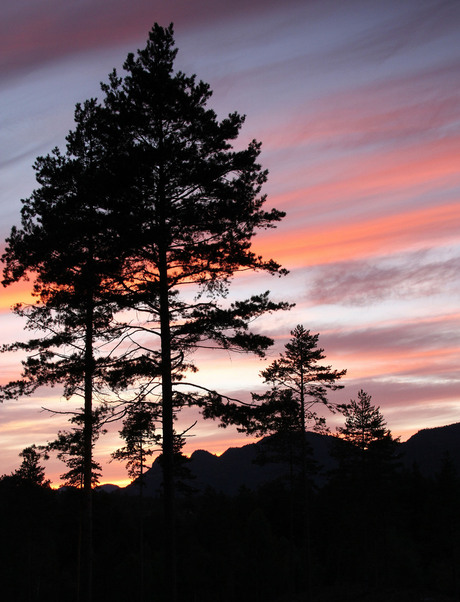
168	435
305	489
167	394
141	524
86	577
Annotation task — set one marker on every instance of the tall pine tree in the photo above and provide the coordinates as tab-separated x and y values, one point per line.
67	245
191	207
150	200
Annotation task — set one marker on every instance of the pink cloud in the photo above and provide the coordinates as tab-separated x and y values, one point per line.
398	335
396	111
362	282
400	171
304	245
34	33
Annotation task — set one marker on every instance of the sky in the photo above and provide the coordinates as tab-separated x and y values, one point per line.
357	105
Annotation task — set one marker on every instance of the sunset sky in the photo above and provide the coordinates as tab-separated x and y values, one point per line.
357	105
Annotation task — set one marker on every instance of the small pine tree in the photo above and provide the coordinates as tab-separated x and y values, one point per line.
299	384
366	444
364	423
139	434
31	472
70	448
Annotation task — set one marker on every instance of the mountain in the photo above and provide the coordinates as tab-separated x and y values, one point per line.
429	448
107	488
237	467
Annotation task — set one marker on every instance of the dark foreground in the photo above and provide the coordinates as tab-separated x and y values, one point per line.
389	540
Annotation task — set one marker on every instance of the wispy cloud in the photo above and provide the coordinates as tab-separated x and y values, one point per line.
399	109
300	243
405	276
398	336
33	34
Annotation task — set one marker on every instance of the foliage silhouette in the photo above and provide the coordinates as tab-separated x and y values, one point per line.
150	198
367	458
31	472
191	205
364	423
365	443
139	434
68	245
298	383
70	448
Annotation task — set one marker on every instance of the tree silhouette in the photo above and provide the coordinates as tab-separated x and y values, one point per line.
299	381
150	199
298	384
366	448
139	433
70	448
364	480
31	472
191	205
364	423
299	372
68	245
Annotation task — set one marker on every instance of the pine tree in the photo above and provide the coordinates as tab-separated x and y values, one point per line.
191	205
364	423
140	434
149	200
366	446
298	384
31	472
67	244
364	480
70	448
298	370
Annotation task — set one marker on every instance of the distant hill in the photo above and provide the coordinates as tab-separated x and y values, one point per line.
237	467
428	449
107	488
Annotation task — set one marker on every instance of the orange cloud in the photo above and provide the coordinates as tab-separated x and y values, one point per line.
381	363
320	188
417	228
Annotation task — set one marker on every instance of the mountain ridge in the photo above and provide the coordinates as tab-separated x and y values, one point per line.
236	468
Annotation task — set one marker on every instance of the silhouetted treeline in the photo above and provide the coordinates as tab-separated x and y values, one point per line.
393	536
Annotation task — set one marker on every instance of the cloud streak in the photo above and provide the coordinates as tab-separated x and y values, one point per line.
303	244
362	282
34	34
